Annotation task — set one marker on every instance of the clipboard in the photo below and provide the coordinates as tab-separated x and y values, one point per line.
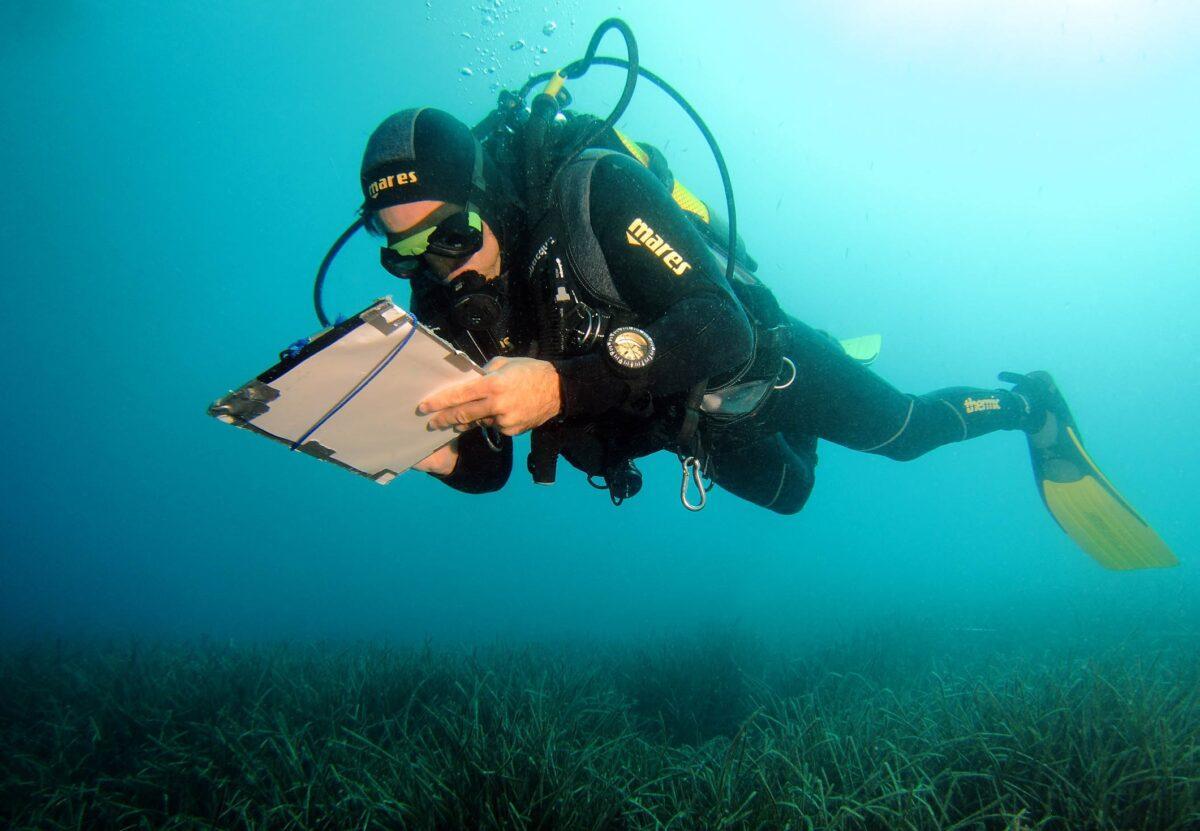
349	394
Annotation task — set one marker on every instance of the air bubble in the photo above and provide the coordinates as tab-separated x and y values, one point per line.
517	46
467	72
549	28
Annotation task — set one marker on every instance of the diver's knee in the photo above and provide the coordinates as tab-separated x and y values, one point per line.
791	500
899	452
789	507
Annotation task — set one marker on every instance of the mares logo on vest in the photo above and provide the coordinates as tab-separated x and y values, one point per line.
395	180
639	233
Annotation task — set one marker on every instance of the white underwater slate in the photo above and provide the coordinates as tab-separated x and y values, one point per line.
358	386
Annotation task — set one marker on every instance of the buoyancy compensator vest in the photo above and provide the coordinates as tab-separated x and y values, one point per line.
578	304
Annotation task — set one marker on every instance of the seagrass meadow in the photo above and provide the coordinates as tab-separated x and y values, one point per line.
883	730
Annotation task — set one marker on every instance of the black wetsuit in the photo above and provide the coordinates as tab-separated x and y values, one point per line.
678	294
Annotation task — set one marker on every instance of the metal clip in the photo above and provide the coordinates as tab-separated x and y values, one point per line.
492	436
692	475
791	380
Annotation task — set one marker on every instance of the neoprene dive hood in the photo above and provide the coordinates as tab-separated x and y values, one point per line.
395	170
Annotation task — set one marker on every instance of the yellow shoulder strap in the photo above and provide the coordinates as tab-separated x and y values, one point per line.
683	197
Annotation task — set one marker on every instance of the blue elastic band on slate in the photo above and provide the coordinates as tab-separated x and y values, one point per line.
294	349
362	385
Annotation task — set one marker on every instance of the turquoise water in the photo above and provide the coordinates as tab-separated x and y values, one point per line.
1009	186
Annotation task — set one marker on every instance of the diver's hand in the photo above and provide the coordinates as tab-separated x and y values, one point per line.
516	394
440	462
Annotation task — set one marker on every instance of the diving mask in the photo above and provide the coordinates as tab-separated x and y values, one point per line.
456	235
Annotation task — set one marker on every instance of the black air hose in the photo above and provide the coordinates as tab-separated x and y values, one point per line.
319	283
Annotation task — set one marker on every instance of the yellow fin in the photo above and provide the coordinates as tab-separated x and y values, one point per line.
1078	495
1105	526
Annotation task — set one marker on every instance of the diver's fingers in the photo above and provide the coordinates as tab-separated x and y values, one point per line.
487	421
461	393
463	416
466	428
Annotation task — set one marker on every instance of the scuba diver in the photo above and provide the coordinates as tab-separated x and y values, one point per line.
616	316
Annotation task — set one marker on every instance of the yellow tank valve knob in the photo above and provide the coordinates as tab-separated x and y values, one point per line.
555	84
